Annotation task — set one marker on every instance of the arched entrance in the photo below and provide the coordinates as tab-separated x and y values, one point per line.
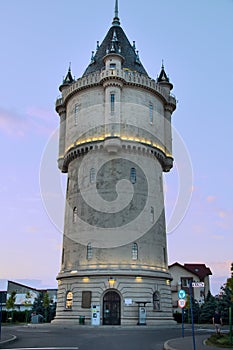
111	308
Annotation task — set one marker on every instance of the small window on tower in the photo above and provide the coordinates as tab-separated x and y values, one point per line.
92	175
76	110
112	65
112	103
133	175
69	300
151	110
134	251
152	215
75	214
89	251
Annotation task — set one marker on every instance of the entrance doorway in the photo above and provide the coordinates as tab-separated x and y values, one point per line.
111	308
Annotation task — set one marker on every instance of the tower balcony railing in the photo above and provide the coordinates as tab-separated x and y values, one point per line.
126	75
125	132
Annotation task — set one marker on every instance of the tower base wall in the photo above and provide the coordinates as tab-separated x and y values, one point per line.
119	299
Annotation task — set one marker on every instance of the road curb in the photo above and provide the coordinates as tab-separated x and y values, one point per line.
166	345
9	340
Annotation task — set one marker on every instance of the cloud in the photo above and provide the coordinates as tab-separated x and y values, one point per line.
32	229
33	120
12	123
210	199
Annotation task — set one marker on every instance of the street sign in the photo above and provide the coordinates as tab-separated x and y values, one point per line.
198	284
181	303
181	294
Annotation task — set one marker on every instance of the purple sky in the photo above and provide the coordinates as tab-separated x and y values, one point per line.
38	40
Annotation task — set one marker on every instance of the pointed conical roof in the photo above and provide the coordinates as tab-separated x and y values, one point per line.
163	76
116	41
68	78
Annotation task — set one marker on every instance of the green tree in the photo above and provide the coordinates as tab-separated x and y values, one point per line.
46	304
208	308
196	310
27	303
43	306
224	303
230	283
10	304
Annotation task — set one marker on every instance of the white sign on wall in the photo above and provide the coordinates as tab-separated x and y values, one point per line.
198	284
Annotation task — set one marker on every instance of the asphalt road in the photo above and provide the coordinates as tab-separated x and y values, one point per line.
89	338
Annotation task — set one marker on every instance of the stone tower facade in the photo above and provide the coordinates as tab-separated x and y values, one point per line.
115	143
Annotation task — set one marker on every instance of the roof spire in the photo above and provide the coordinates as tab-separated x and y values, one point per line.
116	20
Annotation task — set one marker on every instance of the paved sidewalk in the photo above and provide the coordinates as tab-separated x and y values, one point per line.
186	343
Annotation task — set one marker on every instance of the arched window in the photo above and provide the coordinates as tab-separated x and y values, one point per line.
75	214
133	175
152	215
134	251
92	175
89	251
156	301
69	300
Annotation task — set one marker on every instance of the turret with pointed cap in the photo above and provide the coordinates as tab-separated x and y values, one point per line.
116	41
67	80
163	79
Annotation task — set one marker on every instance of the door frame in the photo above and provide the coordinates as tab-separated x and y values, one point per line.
103	304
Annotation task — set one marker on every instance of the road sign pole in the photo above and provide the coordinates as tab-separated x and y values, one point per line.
191	308
182	322
0	315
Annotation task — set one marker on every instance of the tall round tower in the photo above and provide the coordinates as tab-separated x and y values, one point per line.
115	144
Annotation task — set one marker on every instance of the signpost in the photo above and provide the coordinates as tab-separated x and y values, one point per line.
198	284
191	308
182	303
181	294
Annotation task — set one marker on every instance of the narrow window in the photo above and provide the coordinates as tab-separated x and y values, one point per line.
69	300
151	112
76	110
63	256
112	102
75	214
156	301
134	251
67	187
164	255
92	175
152	215
133	175
89	251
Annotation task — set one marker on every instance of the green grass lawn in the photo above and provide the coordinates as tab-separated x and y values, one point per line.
222	340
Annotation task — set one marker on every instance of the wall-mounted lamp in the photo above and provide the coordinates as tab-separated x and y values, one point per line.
86	279
138	279
111	281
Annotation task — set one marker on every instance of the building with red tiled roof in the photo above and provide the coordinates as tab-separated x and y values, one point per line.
183	274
